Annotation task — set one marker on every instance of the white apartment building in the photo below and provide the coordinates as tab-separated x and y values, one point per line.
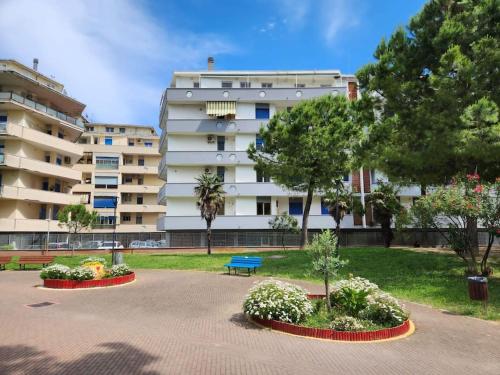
39	125
120	162
208	120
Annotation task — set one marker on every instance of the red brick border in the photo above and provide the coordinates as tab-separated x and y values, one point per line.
330	334
77	284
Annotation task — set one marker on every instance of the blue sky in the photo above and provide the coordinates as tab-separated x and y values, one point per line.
117	56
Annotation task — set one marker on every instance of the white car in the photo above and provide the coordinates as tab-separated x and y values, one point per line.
108	245
138	244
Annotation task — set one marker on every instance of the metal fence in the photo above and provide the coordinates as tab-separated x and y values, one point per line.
194	239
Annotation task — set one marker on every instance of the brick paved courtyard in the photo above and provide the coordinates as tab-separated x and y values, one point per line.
175	322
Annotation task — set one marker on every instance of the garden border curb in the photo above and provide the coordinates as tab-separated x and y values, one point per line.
387	334
88	284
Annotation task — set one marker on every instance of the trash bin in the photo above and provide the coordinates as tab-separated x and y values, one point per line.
478	288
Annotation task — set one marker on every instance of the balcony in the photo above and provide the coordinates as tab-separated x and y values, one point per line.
236	222
207	158
232	189
44	141
139	189
142	208
135	228
215	126
11	97
30	225
404	191
41	167
163	141
122	149
138	169
162	195
37	195
260	95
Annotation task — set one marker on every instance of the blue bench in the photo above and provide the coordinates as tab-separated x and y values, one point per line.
250	263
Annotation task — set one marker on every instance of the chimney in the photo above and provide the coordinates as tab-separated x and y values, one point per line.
210	63
35	64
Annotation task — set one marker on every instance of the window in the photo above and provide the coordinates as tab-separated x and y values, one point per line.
108	141
42	213
3	118
127	160
140	161
220	173
122	130
221	143
47	157
245	85
196	85
127	179
138	219
106	162
110	130
262	177
267	85
140	181
2	154
55	211
140	199
106	182
131	142
324	207
295	206
96	140
90	128
227	84
59	159
57	186
105	202
261	111
67	160
148	144
45	184
49	131
105	220
300	85
125	217
60	135
126	197
263	205
259	142
346	178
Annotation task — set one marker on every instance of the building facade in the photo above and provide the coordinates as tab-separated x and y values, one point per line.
120	162
208	120
39	125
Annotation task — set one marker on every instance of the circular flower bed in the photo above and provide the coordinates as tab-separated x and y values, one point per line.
91	273
360	312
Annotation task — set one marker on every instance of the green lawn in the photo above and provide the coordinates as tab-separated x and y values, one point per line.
429	278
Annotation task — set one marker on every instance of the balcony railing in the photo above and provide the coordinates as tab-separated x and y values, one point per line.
11	96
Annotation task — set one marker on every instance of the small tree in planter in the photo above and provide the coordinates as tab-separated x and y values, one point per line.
283	224
210	200
386	206
76	218
326	261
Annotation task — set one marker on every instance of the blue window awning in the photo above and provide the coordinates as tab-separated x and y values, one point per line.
105	202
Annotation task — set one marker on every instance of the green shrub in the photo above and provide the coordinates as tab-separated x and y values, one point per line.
351	295
384	309
55	271
118	270
278	300
91	260
347	323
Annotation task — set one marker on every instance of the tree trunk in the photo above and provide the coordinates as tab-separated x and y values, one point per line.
72	245
387	232
327	293
484	261
337	233
283	240
305	216
473	236
209	237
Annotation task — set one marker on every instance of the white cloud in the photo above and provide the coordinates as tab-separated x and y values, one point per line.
109	54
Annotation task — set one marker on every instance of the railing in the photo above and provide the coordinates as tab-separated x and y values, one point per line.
5	96
2	159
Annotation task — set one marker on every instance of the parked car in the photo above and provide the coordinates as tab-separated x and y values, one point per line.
91	244
107	245
137	244
161	243
151	244
58	245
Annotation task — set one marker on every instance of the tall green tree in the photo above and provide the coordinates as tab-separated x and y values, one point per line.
210	193
308	147
76	218
436	88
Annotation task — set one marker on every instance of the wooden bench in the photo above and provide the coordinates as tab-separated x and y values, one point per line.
250	263
44	260
3	261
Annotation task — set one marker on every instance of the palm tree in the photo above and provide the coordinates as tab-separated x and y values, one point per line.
210	200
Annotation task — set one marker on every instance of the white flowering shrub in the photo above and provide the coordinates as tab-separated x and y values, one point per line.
93	261
360	298
82	273
347	323
55	271
382	308
119	270
278	300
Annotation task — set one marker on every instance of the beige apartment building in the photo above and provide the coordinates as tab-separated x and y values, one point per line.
39	125
120	162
